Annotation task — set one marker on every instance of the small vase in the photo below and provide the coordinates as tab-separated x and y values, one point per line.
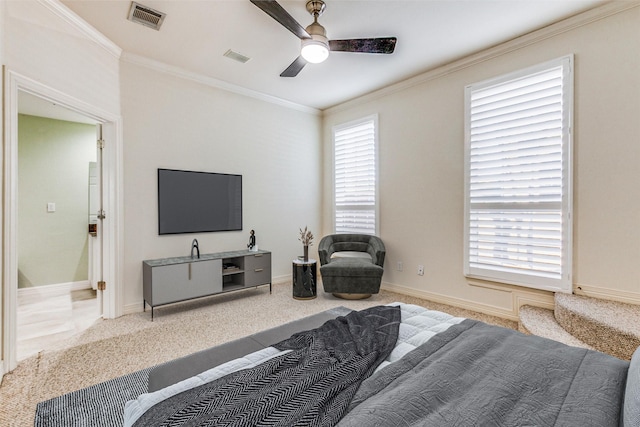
306	254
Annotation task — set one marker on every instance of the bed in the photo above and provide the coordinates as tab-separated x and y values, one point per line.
393	365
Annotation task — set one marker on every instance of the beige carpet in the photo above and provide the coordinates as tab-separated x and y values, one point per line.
112	348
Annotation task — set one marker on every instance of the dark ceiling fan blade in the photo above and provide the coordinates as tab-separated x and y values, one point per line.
374	45
274	10
295	67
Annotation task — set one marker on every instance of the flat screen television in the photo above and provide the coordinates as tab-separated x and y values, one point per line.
198	202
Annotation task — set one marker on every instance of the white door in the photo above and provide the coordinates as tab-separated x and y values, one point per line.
94	254
97	214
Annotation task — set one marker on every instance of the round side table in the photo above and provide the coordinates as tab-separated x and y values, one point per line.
304	279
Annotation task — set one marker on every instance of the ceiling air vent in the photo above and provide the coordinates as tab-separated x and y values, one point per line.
236	56
145	16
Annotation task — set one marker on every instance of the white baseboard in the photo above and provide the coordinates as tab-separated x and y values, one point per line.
80	286
278	280
132	308
519	297
56	289
607	294
456	302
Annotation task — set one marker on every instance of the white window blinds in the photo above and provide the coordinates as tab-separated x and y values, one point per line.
355	174
518	177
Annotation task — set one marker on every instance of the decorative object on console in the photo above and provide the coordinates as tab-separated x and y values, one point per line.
252	241
194	245
351	276
306	237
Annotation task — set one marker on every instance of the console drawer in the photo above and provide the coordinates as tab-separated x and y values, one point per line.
257	269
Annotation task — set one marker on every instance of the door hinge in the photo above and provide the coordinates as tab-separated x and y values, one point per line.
102	214
102	285
101	144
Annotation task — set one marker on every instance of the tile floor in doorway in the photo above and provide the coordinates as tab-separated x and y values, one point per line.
47	318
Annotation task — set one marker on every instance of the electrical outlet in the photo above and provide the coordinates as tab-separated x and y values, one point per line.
421	270
399	266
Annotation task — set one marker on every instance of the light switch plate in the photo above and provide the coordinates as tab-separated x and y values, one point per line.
51	207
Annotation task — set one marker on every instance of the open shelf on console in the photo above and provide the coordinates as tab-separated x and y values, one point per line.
232	266
232	273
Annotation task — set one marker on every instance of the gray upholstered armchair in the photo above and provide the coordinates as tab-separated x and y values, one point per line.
352	276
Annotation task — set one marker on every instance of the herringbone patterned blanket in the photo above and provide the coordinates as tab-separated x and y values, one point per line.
311	385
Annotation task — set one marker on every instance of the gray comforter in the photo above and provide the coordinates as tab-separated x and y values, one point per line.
311	385
475	374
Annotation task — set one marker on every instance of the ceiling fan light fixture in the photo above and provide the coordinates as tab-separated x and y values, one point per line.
315	46
314	51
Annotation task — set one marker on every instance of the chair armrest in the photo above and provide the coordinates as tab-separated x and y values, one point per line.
379	250
324	250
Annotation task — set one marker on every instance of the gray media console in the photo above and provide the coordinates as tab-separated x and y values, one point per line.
170	280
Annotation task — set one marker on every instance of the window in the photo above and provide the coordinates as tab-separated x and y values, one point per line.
355	176
518	177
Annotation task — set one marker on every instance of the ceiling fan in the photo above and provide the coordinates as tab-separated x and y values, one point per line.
315	44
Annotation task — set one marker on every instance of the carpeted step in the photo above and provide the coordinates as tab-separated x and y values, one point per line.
608	326
541	322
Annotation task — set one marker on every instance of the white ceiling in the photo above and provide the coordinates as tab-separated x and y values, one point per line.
196	34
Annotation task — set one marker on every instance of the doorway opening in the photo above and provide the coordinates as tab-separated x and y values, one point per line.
58	235
108	144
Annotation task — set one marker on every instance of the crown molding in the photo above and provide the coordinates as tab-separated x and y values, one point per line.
81	25
94	35
212	82
593	15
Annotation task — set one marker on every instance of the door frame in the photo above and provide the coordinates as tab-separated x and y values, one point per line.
113	205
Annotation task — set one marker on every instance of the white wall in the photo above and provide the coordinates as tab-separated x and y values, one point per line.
170	122
421	166
44	43
3	365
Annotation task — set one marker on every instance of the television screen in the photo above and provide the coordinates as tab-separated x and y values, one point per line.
198	202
